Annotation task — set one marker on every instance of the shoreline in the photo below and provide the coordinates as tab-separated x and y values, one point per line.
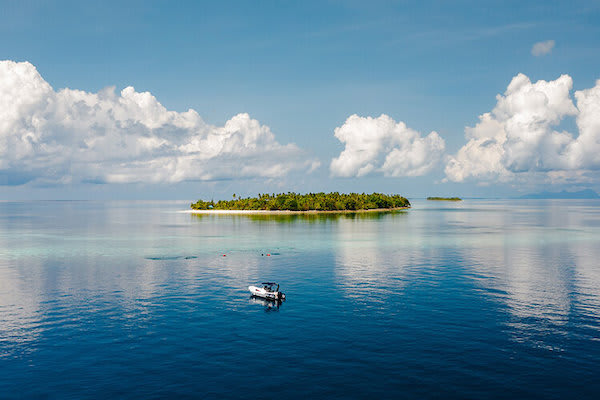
271	212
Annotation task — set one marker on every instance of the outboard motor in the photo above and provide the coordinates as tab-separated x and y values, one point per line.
280	296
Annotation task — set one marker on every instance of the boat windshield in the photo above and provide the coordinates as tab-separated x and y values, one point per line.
270	286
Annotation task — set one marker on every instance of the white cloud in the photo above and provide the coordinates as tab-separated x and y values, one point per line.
542	48
73	136
382	145
517	139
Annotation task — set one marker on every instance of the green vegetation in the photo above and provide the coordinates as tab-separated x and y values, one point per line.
313	217
307	202
445	198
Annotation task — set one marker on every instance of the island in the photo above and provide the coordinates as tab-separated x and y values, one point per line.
445	198
311	202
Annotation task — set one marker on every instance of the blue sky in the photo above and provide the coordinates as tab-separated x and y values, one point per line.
301	69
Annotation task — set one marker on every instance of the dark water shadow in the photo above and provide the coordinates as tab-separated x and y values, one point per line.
269	305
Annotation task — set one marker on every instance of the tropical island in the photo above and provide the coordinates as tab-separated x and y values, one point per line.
445	198
311	202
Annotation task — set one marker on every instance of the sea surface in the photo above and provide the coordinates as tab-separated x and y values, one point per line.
474	299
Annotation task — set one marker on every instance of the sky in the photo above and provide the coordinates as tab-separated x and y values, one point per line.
190	99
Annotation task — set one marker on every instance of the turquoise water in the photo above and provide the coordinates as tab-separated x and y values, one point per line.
139	299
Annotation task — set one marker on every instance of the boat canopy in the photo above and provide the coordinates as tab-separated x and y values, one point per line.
271	286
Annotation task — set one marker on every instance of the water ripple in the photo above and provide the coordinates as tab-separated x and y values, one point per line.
478	299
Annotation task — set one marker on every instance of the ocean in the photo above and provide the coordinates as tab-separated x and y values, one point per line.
473	299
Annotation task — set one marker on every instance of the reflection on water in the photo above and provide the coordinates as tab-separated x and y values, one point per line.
535	277
535	284
310	217
478	297
157	258
268	305
364	267
20	309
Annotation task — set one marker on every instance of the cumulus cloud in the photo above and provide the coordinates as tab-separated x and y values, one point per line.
518	137
542	48
382	145
107	137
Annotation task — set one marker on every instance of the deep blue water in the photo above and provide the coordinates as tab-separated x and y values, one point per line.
478	299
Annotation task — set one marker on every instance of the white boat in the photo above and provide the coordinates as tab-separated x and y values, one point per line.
268	290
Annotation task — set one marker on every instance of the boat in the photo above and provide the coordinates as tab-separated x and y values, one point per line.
268	290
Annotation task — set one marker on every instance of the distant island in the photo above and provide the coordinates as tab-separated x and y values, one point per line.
307	202
445	198
582	194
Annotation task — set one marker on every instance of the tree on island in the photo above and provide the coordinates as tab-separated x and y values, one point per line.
307	202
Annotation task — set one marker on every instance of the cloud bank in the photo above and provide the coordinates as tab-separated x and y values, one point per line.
542	48
382	145
71	136
518	139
